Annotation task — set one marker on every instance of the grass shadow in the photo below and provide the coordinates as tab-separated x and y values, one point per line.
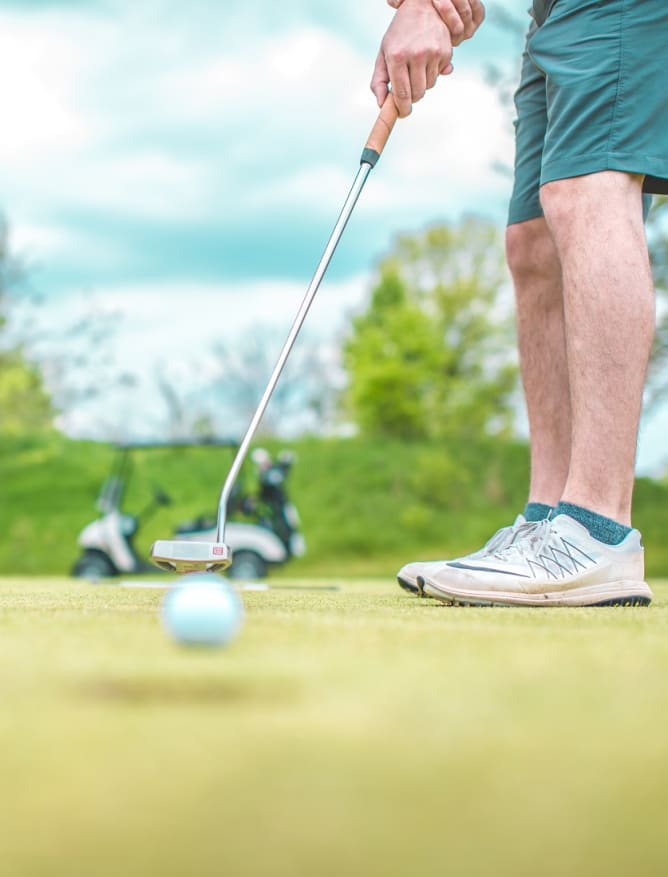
155	691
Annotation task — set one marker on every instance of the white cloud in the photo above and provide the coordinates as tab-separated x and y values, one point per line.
178	321
41	240
106	117
40	243
40	69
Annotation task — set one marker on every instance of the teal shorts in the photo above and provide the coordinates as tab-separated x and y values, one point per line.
593	96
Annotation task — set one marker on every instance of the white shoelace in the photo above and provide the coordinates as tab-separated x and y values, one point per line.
530	538
505	537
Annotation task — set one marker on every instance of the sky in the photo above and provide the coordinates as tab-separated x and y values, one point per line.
173	170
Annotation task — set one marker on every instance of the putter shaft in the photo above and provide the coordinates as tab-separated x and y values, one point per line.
184	556
348	207
372	152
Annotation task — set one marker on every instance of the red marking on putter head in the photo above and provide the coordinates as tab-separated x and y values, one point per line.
185	556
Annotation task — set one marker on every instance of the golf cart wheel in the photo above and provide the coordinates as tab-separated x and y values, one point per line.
247	565
94	565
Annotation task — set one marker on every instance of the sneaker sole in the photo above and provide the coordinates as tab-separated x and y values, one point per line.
623	593
410	588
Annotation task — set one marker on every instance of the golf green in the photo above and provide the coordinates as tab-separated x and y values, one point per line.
350	731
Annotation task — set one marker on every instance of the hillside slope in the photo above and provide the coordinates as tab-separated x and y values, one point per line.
366	506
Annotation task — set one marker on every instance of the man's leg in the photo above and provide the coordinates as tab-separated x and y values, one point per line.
536	271
585	554
596	222
534	265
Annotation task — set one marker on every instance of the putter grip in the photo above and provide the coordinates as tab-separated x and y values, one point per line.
380	132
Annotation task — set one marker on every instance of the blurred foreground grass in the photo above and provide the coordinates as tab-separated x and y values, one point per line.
357	731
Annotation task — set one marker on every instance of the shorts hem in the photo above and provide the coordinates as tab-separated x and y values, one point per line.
523	213
654	169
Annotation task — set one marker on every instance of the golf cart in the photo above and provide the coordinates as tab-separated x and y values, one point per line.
263	528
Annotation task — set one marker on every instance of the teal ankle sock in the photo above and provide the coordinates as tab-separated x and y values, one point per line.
604	529
536	511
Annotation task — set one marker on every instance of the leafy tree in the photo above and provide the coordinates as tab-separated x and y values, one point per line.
24	403
72	364
433	355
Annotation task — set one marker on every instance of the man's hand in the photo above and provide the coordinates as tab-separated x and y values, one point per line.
461	17
416	49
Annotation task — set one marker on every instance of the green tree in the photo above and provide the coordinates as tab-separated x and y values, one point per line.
434	355
24	403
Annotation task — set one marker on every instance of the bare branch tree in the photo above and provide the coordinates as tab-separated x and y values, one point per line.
304	393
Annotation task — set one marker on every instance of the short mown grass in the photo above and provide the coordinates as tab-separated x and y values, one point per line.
355	731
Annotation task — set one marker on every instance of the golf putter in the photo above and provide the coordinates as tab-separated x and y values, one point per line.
182	556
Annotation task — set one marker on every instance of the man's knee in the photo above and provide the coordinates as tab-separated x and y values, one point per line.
530	251
581	202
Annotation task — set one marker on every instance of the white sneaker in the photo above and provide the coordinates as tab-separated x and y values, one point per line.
410	574
557	563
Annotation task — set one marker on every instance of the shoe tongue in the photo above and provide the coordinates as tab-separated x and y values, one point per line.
566	522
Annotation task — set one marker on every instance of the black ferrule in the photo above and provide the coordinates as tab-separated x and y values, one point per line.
370	156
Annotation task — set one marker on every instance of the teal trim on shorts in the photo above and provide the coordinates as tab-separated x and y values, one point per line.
593	96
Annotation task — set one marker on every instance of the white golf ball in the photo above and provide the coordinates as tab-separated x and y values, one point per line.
202	610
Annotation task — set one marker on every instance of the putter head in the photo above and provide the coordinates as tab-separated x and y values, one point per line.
183	557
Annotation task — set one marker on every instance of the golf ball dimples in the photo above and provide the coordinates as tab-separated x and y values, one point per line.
203	610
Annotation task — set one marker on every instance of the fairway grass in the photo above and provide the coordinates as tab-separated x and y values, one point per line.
355	731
